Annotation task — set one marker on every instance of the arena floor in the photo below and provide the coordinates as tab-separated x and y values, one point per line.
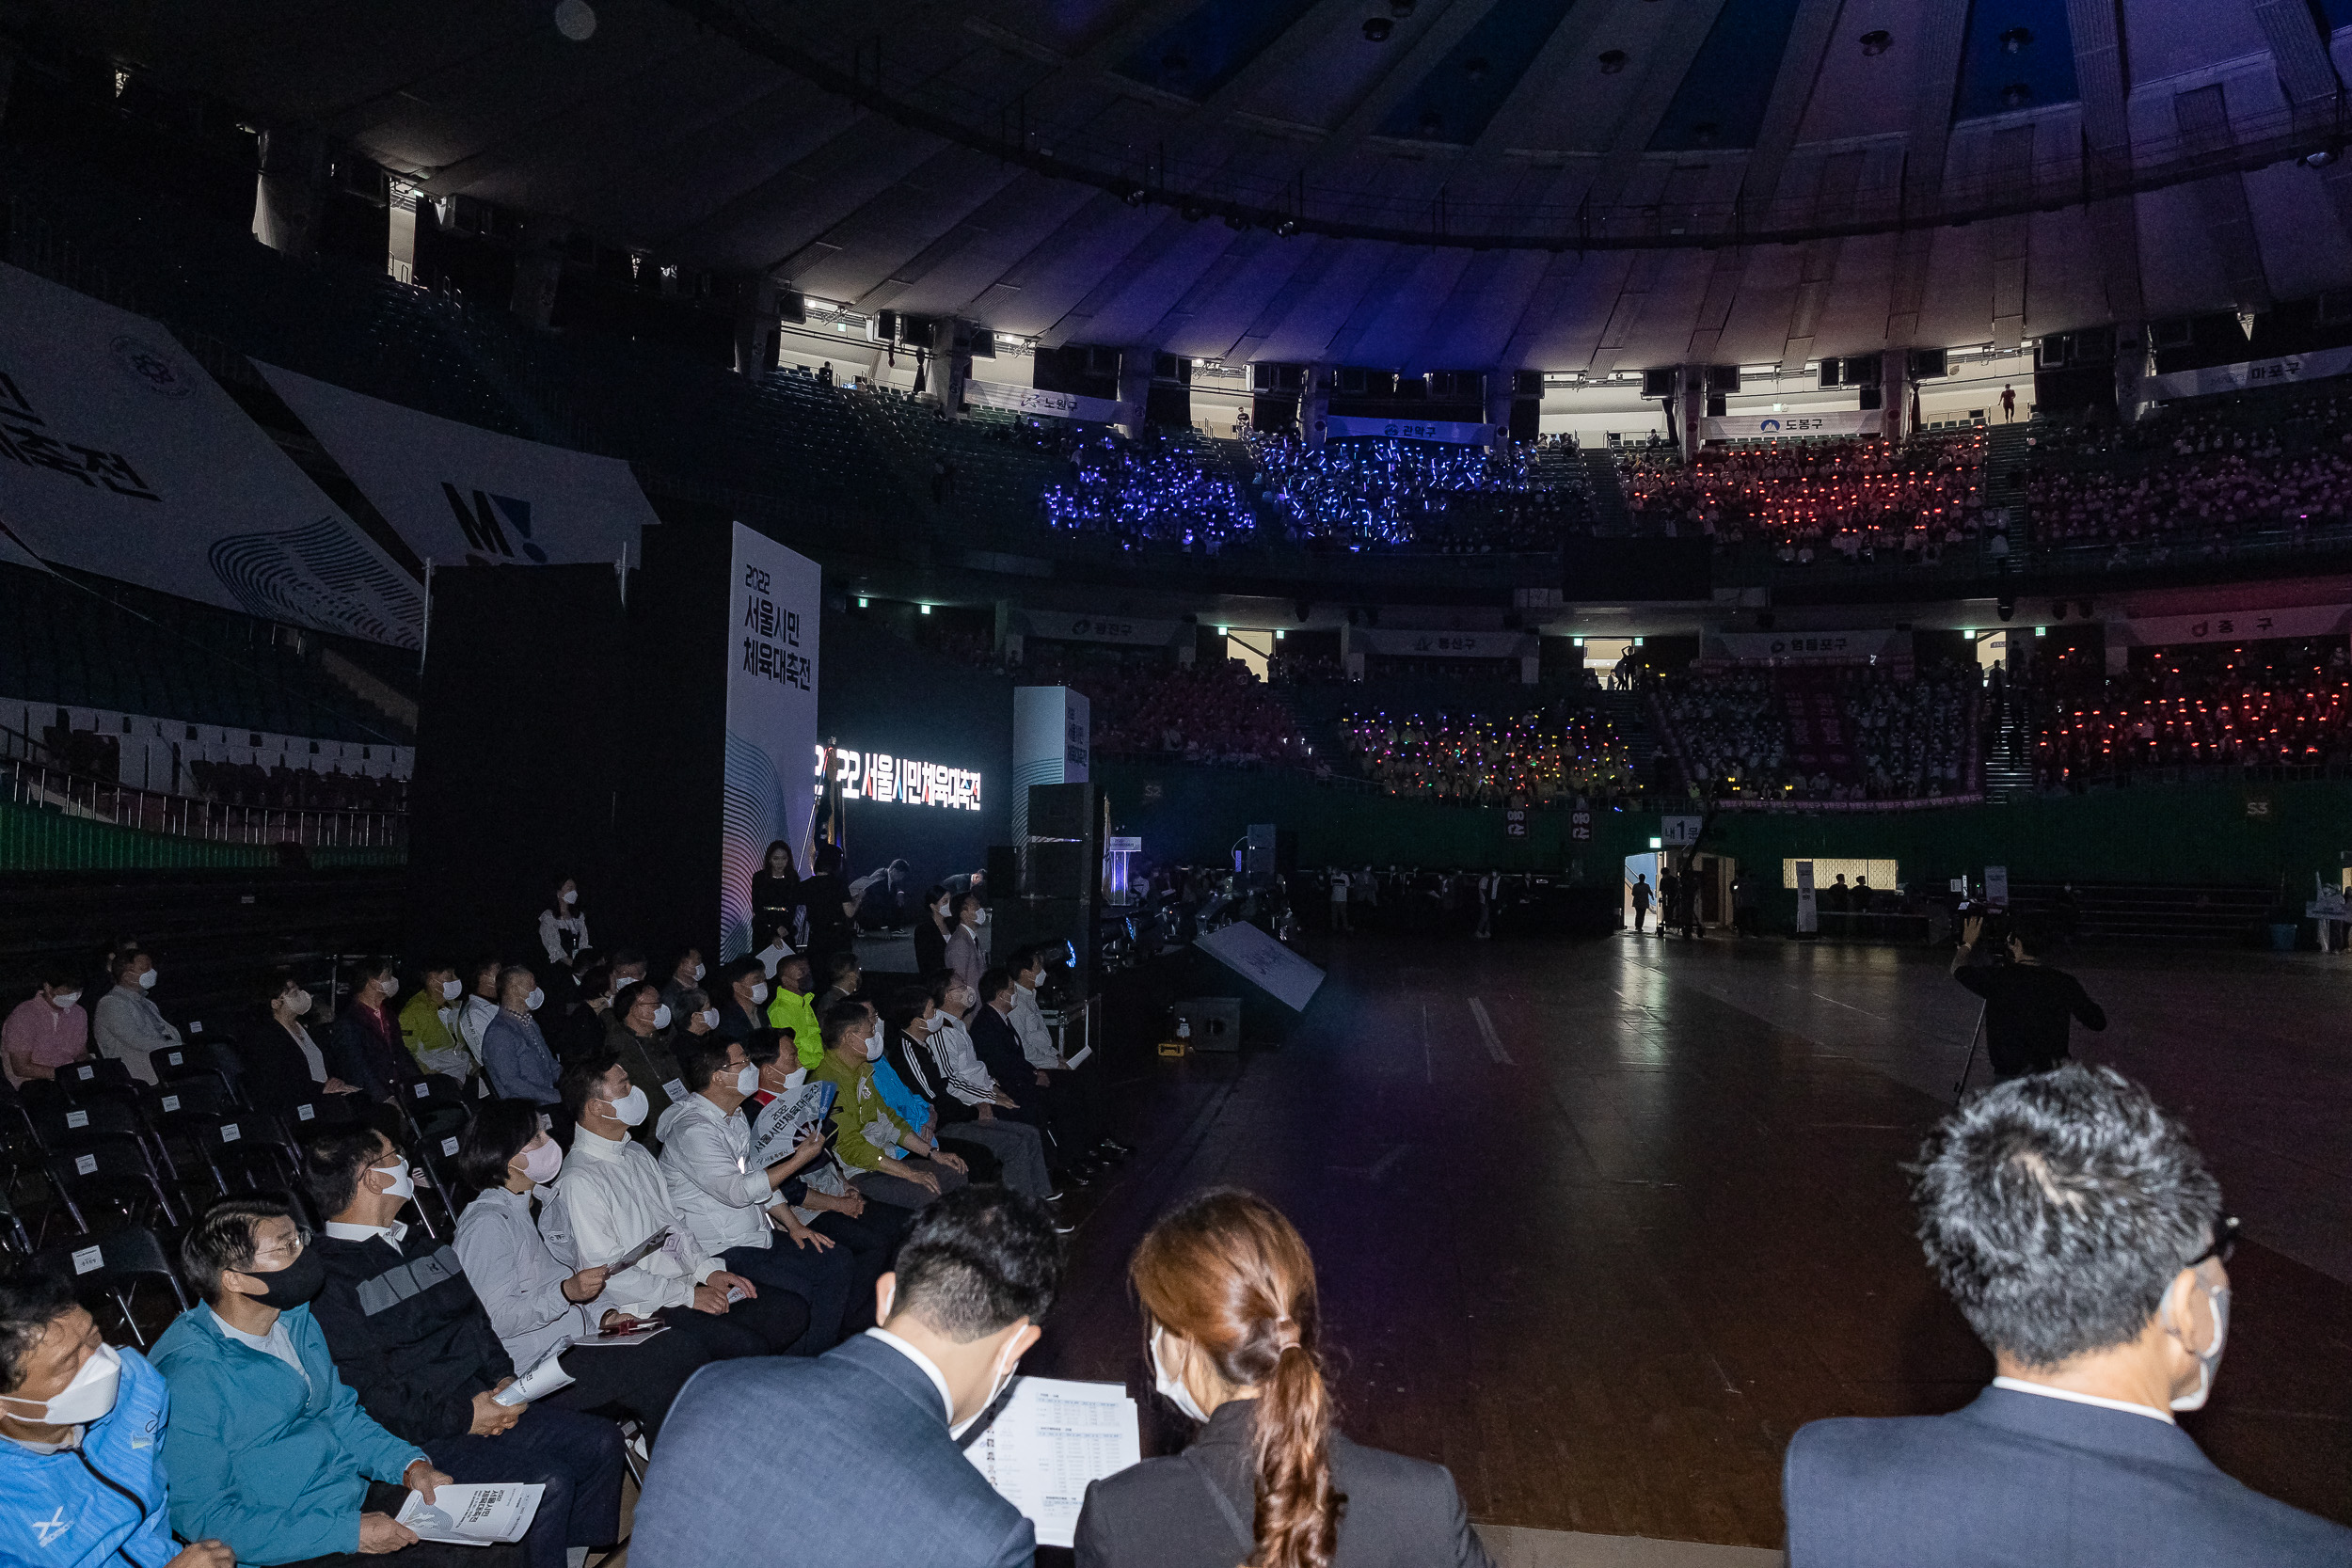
1600	1225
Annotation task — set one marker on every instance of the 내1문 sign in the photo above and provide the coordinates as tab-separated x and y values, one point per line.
1680	832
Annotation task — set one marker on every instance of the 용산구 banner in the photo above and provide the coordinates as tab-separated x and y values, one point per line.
120	456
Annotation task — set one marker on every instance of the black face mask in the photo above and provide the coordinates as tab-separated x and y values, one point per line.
293	1285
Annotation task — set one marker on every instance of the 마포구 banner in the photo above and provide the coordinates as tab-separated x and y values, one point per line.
2247	372
774	597
120	456
462	494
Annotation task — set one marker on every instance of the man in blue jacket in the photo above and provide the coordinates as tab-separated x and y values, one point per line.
80	1421
267	1449
2082	1238
865	1433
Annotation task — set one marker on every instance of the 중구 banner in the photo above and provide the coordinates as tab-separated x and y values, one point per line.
459	494
774	601
120	456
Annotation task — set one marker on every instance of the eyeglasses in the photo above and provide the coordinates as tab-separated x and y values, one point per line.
2224	1242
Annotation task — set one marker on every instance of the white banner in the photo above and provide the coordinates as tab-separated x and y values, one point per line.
458	493
1101	628
2236	625
1808	906
2247	372
1810	648
774	597
1061	406
1835	421
1342	427
1398	643
120	456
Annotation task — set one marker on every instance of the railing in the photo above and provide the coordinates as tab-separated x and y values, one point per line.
31	782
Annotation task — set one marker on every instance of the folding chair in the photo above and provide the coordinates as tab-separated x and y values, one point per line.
112	1267
184	1062
97	1076
14	1238
115	1171
436	1120
252	1147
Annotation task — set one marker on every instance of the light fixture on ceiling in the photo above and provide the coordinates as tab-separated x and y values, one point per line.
1611	61
1877	40
1377	28
576	20
1285	229
2017	40
2016	95
2320	159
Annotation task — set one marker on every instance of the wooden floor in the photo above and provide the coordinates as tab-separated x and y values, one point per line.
1599	1224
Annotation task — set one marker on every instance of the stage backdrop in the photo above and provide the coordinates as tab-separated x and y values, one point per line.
459	494
119	454
774	597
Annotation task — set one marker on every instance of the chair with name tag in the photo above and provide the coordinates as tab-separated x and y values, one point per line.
181	1110
114	1172
111	1268
198	1060
251	1146
436	1116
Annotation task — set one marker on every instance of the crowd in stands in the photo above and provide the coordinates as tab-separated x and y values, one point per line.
1861	498
1152	491
1851	734
1567	754
2207	487
2281	704
1449	499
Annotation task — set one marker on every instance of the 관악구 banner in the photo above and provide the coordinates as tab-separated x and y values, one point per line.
459	494
773	596
120	456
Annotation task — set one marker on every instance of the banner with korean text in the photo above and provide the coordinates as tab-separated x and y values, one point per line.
1396	642
1061	405
2235	377
1812	647
120	456
773	598
2234	625
1063	626
1350	427
462	494
1831	421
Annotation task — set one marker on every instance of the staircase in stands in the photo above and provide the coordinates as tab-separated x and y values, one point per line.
1610	517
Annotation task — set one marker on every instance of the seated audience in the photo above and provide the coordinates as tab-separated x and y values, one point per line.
906	1086
735	1207
785	1110
79	1464
2078	1231
366	1050
2252	704
537	1308
639	1032
1844	733
515	1055
790	1009
612	1209
843	975
428	1026
267	1449
482	1004
1228	1290
413	1343
129	1026
47	1029
890	1162
1530	759
974	1103
1074	1098
742	998
993	1150
285	1067
1862	497
686	974
867	1433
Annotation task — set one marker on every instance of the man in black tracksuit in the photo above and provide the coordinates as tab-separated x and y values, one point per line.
412	1338
2027	1005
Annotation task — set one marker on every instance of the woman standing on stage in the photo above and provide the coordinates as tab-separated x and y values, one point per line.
1229	1292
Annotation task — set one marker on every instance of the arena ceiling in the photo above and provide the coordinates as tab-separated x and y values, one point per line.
1562	185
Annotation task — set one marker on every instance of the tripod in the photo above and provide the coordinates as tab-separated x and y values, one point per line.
1961	1087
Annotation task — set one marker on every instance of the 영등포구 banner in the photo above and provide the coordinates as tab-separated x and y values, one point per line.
120	456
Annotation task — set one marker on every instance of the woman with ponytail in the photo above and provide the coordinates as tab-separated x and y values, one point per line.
1228	1291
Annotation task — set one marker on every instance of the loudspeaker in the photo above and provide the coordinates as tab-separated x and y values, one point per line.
1063	811
1064	875
1862	369
885	326
1723	378
1004	872
1928	363
1717	405
1658	383
1829	369
1872	397
1527	384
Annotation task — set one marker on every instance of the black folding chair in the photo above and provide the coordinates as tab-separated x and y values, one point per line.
108	1171
184	1062
101	1076
252	1147
14	1239
112	1267
437	1120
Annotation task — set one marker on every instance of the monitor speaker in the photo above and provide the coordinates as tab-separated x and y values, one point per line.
1872	397
1717	405
1658	383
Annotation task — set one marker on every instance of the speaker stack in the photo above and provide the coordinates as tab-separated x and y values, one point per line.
1061	887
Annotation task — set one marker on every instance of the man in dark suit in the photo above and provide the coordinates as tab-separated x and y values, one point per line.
2081	1236
865	1435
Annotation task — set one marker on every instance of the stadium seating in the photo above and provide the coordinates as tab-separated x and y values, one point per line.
2277	708
1850	735
1559	755
1805	502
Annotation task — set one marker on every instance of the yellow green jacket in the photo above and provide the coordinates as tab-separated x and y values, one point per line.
865	1135
790	1009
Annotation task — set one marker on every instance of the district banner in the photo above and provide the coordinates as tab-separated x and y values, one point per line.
120	456
773	599
464	495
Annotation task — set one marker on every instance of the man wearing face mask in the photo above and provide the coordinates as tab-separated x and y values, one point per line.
413	1343
481	1005
742	997
686	974
47	1029
2080	1235
735	1209
963	943
78	1456
868	1431
514	1055
822	1195
427	1024
789	1009
639	1030
890	1162
129	1026
267	1449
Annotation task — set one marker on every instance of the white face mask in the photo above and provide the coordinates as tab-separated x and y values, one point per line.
532	1002
979	918
2209	1360
147	981
747	1081
631	1107
392	987
89	1396
698	971
571	896
404	1183
759	992
709	1017
541	1163
945	909
662	1016
65	999
1170	1390
1005	1365
298	1004
449	991
793	1080
873	1048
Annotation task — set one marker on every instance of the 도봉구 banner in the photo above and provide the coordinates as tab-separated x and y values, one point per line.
1033	400
773	598
119	455
462	494
1834	421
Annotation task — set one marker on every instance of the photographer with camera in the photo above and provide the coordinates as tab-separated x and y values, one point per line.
2027	1005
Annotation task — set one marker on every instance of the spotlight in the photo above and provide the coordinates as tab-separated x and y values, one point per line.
2320	159
1877	42
1611	61
1285	229
1377	28
1134	196
576	20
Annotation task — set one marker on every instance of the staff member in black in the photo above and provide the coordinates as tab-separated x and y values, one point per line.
2027	1005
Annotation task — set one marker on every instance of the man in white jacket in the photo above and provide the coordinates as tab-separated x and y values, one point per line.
734	1208
613	1210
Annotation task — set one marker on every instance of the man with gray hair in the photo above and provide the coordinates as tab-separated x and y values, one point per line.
2079	1234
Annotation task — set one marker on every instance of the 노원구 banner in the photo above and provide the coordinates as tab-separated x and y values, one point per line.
462	494
773	599
120	456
